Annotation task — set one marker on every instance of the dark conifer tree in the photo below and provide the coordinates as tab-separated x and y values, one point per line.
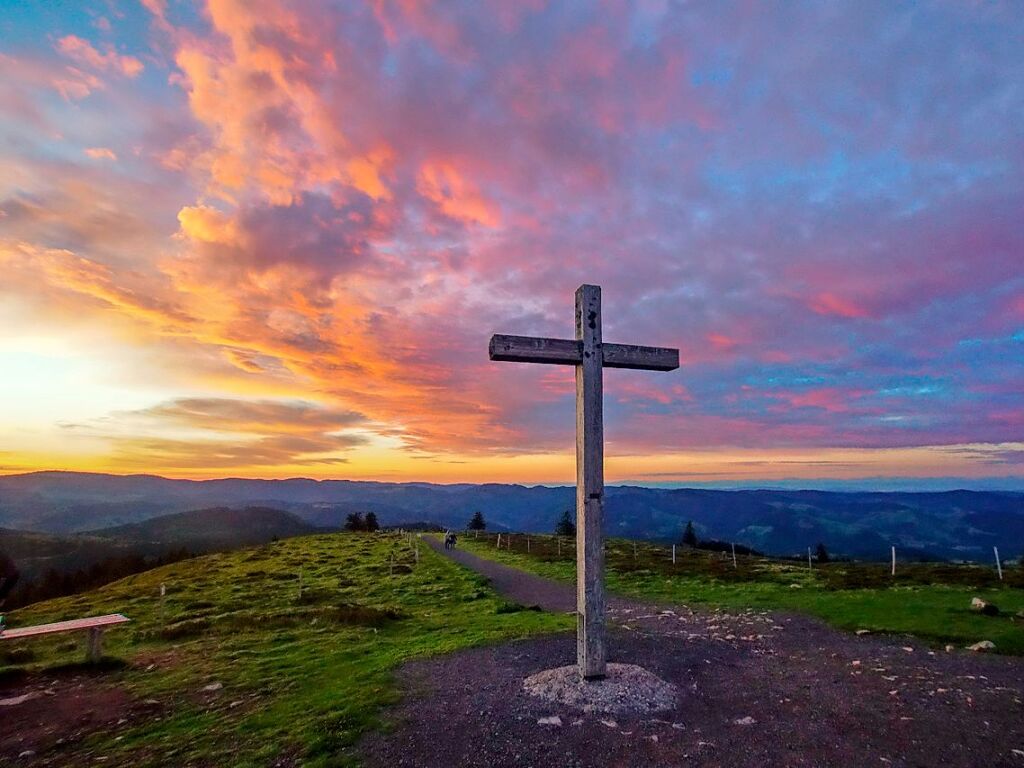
477	523
690	535
355	522
371	524
565	525
822	553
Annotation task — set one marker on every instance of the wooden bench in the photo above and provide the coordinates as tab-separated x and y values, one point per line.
94	626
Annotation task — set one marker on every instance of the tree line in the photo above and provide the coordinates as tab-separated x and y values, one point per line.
355	521
55	583
565	526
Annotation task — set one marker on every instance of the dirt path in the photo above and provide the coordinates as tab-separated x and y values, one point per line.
756	689
524	588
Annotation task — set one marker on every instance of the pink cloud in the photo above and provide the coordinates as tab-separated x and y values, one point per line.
828	303
83	53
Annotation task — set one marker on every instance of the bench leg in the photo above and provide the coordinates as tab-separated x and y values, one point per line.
94	645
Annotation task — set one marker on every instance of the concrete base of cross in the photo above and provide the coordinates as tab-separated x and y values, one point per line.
626	689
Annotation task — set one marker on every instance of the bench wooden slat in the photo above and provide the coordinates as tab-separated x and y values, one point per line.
94	622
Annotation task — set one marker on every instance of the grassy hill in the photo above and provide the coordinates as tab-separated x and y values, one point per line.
928	600
302	674
54	565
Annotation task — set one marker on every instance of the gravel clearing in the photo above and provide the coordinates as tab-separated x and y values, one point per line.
754	689
625	690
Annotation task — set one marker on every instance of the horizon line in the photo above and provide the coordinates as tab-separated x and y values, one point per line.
937	484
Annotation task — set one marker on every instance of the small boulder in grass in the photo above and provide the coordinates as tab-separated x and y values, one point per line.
985	646
984	607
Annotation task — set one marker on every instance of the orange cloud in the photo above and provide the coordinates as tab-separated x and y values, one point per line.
101	153
456	195
61	271
207	225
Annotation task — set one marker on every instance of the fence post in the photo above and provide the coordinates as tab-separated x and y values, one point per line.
893	561
498	545
999	565
809	566
527	545
673	554
734	556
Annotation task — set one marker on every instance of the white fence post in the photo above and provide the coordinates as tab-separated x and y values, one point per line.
734	556
999	565
673	554
894	561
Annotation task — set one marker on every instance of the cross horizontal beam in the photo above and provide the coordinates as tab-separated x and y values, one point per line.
537	349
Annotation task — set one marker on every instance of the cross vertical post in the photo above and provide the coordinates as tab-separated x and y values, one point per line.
590	647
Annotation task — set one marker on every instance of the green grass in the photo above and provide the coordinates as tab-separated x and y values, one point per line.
930	601
312	673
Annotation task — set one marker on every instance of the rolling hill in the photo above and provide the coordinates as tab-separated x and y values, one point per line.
203	530
197	531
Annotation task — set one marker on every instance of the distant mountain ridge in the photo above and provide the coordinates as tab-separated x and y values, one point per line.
953	524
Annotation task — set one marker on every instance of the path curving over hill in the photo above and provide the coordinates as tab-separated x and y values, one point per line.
513	583
757	689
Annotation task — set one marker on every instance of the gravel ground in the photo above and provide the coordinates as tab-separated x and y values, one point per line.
626	689
755	689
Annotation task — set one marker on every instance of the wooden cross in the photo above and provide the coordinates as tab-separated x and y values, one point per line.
589	354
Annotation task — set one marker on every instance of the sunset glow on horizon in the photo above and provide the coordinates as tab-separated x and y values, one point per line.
267	239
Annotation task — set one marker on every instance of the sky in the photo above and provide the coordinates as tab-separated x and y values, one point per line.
271	239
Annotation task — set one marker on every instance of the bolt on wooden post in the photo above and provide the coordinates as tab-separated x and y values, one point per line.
590	355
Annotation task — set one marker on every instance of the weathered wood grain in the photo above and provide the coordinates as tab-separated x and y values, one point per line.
590	641
533	349
640	358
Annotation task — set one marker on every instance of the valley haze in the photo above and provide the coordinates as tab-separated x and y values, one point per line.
954	524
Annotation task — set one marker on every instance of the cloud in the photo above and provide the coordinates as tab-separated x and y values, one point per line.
101	153
341	202
223	433
82	52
